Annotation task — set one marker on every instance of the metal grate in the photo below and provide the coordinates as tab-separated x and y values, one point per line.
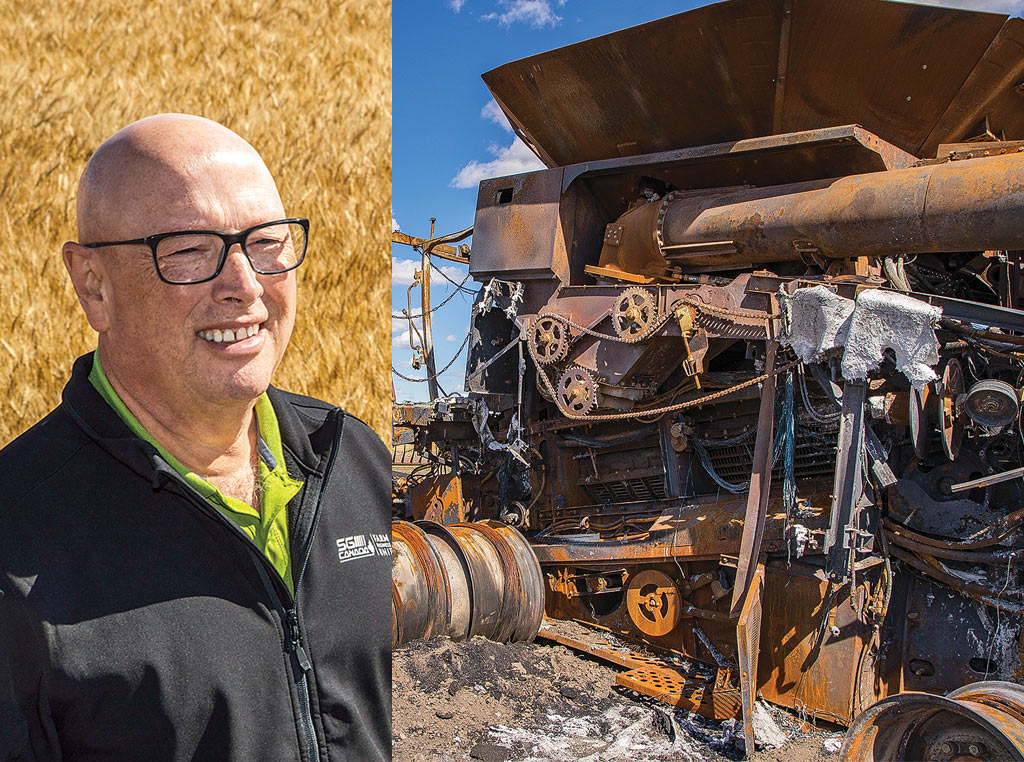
813	457
626	490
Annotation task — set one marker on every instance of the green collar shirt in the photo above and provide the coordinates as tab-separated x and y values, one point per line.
267	527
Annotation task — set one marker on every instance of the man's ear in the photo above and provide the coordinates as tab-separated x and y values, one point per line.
91	283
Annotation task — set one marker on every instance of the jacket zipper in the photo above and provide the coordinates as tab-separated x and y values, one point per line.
300	663
293	614
290	616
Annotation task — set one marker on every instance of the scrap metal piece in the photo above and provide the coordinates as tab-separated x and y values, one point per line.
987	481
760	486
634	313
848	486
748	645
980	722
676	688
443	499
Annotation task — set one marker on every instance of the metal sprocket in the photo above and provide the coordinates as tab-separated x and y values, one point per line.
634	313
577	391
549	339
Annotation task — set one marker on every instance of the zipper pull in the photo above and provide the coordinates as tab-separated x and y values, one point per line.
296	645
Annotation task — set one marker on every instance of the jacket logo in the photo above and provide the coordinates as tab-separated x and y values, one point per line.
360	546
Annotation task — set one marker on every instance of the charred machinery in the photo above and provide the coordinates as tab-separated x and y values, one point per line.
747	361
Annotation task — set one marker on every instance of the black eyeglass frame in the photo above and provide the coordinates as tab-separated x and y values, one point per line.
229	239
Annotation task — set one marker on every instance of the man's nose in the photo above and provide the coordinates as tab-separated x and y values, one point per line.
237	279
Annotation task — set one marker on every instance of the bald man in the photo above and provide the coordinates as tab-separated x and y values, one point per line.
194	565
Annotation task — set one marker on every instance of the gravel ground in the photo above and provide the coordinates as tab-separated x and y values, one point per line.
479	700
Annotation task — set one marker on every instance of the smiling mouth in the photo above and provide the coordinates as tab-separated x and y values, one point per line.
228	336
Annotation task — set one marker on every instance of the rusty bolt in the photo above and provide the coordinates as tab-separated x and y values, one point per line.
946	748
975	749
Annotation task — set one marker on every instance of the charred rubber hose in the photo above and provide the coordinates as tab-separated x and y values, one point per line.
479	578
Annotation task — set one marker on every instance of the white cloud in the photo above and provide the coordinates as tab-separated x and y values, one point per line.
993	6
394	224
456	5
402	271
451	337
536	13
398	324
510	160
400	340
493	112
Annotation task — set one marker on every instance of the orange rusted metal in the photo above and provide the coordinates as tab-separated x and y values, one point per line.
464	580
903	211
720	367
660	679
673	687
916	76
976	723
439	499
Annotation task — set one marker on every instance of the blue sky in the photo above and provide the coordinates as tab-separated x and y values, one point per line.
448	133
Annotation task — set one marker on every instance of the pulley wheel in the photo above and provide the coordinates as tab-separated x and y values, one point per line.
951	411
992	403
653	602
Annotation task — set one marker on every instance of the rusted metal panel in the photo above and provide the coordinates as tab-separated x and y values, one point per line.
673	687
915	75
990	93
518	228
748	646
707	530
439	499
814	661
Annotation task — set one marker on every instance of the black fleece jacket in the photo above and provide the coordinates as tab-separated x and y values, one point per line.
139	623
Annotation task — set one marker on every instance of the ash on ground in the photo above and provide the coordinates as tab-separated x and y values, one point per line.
479	700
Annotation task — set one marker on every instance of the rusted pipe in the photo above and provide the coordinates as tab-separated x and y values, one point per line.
970	205
1008	600
998	558
479	578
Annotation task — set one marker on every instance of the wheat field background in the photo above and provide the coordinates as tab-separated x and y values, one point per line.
307	82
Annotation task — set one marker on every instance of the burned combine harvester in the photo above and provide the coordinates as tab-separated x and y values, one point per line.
749	380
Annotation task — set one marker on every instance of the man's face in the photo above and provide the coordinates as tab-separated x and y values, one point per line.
161	339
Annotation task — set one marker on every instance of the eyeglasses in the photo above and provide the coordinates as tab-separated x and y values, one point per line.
196	256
